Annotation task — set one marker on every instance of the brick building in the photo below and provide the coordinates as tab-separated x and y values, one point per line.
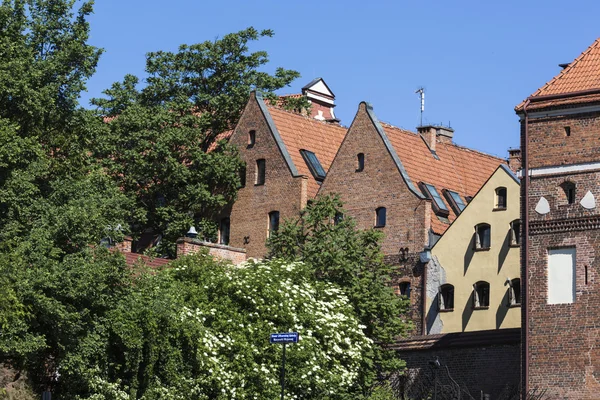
287	156
408	185
560	131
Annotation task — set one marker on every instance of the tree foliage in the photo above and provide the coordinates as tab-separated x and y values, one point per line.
328	241
160	143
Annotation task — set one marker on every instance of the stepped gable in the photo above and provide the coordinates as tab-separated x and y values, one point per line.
458	169
300	132
582	74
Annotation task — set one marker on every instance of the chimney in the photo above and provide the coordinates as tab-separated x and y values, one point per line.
322	100
514	159
436	133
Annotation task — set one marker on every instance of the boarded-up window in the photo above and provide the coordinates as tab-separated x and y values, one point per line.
561	276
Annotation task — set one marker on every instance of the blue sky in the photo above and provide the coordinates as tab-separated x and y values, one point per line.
476	59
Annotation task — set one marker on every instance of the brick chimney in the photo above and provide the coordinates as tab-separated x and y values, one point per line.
514	159
322	100
436	133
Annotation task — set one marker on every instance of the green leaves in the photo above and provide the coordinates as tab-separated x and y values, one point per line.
328	241
160	142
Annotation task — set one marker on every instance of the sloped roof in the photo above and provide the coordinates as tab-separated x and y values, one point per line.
300	132
458	169
580	75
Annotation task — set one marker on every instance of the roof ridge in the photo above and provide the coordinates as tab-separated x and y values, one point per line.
568	69
459	147
308	118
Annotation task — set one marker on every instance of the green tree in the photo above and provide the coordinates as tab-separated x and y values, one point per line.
160	143
328	241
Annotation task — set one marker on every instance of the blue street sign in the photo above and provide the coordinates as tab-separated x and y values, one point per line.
290	337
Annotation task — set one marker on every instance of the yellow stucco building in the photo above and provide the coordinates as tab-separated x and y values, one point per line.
473	276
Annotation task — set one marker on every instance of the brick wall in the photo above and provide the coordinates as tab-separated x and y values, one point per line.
549	144
281	192
564	339
380	184
475	362
187	246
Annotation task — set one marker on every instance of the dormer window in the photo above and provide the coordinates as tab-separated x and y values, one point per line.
360	162
500	203
315	167
251	138
569	192
482	237
455	201
439	207
380	217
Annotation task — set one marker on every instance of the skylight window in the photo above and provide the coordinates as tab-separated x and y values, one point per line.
313	164
455	201
432	193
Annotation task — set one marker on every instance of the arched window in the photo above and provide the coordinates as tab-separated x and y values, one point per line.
500	198
569	192
481	295
251	138
515	233
483	233
380	217
261	171
273	222
360	162
446	297
514	292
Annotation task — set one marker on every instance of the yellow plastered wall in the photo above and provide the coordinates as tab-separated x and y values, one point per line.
462	266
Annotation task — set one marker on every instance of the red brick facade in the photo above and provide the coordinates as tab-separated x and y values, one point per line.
564	339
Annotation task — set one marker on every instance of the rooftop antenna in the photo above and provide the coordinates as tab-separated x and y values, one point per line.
421	92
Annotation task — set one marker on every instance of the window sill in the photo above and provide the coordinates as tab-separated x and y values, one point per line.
481	308
499	209
481	249
259	184
516	305
514	245
447	310
379	226
358	170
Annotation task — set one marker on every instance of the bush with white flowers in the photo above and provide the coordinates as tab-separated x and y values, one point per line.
200	330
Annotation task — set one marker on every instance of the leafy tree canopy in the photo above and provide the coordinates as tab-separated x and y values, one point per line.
328	241
160	143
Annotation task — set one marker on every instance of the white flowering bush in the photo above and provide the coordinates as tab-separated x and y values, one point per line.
200	330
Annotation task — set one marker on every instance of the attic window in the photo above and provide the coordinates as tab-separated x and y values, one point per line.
360	162
260	174
455	201
482	237
500	203
251	138
432	193
567	130
315	167
380	217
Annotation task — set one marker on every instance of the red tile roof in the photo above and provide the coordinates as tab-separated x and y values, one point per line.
458	169
582	74
300	132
